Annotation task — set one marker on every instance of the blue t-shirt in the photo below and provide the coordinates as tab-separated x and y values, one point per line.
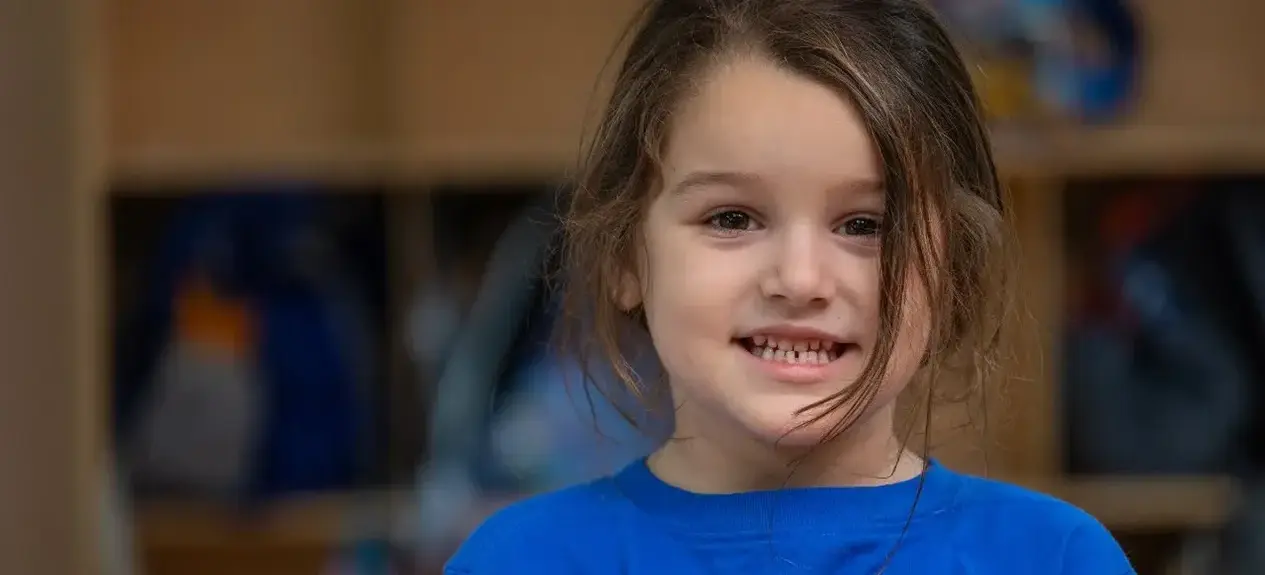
635	524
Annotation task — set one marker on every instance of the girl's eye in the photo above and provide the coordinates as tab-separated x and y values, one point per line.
731	221
862	226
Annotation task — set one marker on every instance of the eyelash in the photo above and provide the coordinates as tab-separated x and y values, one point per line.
874	223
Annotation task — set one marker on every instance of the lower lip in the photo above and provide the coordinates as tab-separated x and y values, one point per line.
795	373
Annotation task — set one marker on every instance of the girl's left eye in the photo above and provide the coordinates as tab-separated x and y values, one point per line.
861	226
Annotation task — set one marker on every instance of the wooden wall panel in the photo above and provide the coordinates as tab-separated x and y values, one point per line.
49	339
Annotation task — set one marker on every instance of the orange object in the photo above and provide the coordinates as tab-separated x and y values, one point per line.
206	317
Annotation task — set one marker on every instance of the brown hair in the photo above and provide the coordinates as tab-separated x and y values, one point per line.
895	63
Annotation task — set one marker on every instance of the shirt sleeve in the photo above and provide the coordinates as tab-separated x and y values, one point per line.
508	543
1091	549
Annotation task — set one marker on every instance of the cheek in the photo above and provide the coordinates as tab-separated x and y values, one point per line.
863	280
914	335
690	292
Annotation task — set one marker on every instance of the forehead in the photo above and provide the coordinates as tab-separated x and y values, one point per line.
748	115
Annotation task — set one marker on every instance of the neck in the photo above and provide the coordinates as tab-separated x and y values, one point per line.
868	453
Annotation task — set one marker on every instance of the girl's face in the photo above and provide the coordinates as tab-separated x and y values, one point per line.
760	274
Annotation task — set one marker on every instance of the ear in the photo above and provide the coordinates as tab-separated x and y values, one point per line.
628	294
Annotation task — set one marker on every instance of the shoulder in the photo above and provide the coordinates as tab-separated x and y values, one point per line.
1042	524
541	531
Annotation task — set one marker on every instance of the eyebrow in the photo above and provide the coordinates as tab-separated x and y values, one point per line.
704	178
700	179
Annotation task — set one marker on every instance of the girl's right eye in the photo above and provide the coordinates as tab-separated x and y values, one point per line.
730	221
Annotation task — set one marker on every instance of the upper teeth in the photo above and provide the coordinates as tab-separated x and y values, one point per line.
809	351
789	345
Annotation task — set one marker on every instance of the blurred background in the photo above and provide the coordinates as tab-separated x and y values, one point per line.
272	302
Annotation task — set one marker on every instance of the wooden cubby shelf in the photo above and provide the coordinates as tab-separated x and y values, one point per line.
1129	150
1141	504
1021	153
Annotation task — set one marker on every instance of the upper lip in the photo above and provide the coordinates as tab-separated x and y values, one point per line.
794	332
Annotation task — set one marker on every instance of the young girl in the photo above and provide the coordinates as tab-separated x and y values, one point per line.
796	200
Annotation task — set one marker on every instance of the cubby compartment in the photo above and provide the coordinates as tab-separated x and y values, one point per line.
1165	313
251	330
250	318
221	89
1159	379
509	416
260	405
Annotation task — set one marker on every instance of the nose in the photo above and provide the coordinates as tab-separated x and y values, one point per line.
799	271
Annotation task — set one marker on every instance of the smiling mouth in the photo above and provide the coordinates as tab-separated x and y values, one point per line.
793	351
